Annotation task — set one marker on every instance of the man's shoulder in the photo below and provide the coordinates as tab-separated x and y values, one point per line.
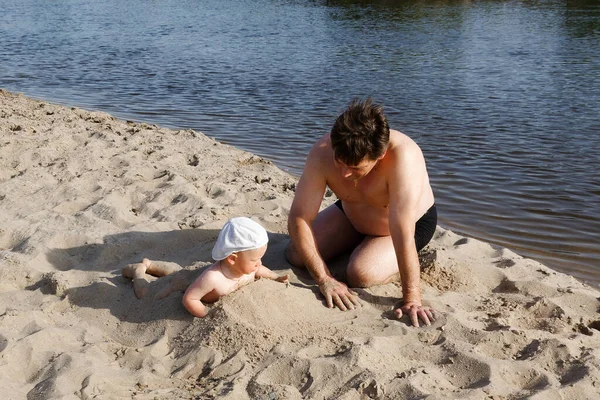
401	144
322	149
403	153
399	137
323	143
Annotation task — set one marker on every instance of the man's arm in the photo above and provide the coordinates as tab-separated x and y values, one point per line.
304	210
305	207
405	188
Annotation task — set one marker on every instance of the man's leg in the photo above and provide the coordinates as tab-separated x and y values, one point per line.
373	263
334	235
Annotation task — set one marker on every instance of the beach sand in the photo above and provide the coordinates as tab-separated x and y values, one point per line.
82	194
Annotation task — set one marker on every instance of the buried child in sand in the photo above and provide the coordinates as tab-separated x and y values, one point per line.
238	252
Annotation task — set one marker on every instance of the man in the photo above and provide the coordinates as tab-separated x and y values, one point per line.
385	213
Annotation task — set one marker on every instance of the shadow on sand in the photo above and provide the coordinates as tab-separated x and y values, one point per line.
190	248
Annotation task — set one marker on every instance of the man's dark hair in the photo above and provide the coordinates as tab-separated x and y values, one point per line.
360	132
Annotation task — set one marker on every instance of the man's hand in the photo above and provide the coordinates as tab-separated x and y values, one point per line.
338	293
416	311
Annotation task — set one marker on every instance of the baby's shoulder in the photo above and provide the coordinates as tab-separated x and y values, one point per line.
212	273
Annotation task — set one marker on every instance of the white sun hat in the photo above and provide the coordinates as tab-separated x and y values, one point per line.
239	234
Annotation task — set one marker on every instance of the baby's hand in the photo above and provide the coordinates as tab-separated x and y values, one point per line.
284	279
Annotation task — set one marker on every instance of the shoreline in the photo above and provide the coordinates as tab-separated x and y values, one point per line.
83	193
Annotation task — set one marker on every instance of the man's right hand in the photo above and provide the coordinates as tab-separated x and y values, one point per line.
338	293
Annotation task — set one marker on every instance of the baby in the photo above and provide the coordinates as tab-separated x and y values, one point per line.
238	252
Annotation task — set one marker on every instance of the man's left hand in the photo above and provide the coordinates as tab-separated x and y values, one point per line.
416	311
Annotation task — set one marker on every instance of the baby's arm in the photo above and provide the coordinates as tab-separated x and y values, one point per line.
264	272
192	299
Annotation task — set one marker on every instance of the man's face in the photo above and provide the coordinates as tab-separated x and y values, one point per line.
355	172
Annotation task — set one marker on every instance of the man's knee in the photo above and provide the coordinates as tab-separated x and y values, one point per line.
365	277
357	278
292	256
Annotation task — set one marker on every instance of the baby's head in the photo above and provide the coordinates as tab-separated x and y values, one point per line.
242	243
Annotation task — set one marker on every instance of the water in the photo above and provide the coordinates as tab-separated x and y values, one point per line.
502	96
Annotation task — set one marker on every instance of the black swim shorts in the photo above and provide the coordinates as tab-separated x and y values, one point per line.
340	206
424	228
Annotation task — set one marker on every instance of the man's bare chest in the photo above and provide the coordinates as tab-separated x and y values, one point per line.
370	191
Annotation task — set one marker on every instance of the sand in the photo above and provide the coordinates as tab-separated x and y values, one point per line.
82	194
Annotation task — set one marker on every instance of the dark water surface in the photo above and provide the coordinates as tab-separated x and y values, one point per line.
502	96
